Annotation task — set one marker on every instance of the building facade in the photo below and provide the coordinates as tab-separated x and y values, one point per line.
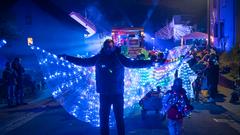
224	20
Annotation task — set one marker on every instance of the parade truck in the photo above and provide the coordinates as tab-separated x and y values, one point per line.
131	40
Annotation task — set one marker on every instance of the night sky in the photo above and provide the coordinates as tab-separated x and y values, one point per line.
105	14
152	14
53	15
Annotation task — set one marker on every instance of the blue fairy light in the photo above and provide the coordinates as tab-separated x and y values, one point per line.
74	86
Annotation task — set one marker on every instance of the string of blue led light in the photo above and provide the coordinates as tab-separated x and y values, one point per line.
74	86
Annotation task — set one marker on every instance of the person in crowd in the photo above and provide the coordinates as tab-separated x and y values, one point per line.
151	93
19	70
204	85
193	61
239	70
109	63
176	106
197	86
238	52
9	80
141	57
212	74
160	57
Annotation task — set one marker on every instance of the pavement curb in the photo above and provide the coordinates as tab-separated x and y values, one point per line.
228	106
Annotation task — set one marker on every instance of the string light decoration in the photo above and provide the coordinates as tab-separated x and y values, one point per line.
166	32
178	52
172	99
179	30
74	86
175	31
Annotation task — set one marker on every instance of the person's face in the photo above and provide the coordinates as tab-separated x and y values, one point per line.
18	61
197	58
8	65
110	47
178	84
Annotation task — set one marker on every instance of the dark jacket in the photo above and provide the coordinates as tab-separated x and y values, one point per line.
110	70
19	70
8	77
212	73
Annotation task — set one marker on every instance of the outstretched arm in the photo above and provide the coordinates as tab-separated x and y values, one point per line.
87	62
134	63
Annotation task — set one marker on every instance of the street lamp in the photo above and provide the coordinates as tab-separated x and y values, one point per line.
3	42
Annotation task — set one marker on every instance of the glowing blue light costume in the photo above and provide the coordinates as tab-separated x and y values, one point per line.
74	87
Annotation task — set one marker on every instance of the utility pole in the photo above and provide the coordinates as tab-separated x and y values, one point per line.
208	23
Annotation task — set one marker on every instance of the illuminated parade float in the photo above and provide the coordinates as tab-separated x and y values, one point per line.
75	89
131	40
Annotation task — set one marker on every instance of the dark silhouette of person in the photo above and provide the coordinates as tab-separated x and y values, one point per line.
109	63
197	86
19	70
212	74
9	81
238	52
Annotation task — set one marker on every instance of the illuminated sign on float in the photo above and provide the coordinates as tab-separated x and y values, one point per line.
130	39
90	28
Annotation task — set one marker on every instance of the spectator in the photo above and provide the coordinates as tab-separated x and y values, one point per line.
197	86
9	82
212	74
238	61
16	65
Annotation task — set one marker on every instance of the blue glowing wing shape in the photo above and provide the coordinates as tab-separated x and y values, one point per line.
74	86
